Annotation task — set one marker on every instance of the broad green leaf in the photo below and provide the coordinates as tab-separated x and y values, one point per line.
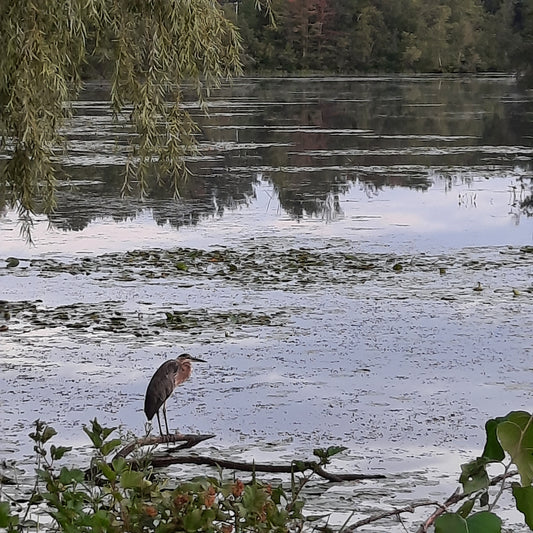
484	522
6	518
108	447
108	472
450	523
132	480
524	502
68	476
474	475
334	450
48	433
193	521
254	498
107	431
320	453
95	437
493	450
516	437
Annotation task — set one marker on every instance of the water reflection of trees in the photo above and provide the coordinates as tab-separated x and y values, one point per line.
96	193
312	140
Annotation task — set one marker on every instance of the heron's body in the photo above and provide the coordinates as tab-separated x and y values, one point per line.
166	378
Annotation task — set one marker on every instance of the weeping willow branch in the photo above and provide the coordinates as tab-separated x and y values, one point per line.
156	47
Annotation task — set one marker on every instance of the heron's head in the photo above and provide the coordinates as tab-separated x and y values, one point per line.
184	367
185	357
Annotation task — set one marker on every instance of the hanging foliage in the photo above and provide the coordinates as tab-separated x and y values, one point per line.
155	47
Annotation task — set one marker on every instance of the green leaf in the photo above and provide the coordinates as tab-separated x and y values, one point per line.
193	521
474	475
334	450
465	509
320	453
59	452
132	480
254	498
484	522
47	434
484	499
108	447
6	519
516	438
524	502
107	471
68	476
493	450
96	439
300	466
120	465
277	494
450	523
107	431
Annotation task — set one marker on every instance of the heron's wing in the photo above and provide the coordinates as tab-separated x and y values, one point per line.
160	388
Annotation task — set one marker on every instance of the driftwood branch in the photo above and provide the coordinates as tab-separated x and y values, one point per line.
188	441
167	460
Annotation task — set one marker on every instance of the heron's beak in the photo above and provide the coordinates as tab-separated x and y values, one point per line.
197	359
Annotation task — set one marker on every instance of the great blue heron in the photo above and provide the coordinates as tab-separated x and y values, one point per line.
166	378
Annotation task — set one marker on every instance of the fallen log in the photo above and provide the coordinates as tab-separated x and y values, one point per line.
188	441
298	466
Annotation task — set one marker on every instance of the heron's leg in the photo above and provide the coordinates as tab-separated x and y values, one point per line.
159	423
165	415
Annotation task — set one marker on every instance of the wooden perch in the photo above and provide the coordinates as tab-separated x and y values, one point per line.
188	441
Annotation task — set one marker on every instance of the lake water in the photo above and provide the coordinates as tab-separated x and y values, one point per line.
330	243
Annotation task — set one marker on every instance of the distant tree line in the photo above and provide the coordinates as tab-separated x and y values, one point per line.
361	36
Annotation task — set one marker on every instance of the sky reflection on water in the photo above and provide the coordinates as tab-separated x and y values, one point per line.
479	212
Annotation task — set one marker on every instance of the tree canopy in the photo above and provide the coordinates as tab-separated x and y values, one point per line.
389	35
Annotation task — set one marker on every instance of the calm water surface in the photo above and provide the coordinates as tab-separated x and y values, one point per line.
352	219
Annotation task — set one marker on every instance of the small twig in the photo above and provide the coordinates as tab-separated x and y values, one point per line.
457	497
385	514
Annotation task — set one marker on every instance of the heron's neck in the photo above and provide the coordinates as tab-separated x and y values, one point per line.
183	373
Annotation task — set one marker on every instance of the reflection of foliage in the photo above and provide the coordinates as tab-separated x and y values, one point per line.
310	146
526	203
98	195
